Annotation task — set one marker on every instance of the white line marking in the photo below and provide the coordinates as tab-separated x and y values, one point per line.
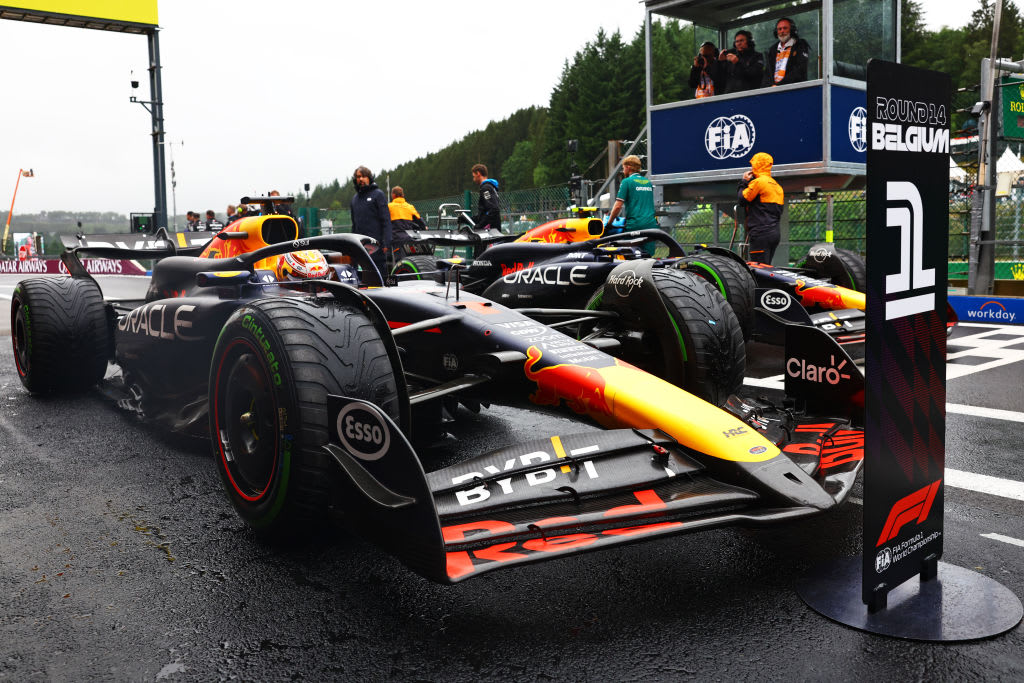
982	483
978	411
1005	539
990	326
584	450
776	382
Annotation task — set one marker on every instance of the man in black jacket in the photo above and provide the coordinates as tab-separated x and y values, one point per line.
786	61
743	65
370	216
488	210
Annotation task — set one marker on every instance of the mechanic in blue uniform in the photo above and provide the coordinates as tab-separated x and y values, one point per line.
763	199
636	196
370	215
488	210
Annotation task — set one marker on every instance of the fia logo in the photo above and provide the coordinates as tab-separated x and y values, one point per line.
730	136
913	284
857	127
882	560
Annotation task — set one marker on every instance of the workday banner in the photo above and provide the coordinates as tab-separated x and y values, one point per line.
908	113
994	310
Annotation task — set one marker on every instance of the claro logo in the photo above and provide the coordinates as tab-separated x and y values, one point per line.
819	374
775	300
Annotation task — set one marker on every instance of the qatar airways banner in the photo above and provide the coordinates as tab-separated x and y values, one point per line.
905	349
95	266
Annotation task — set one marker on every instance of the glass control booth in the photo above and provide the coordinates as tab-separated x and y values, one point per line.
815	129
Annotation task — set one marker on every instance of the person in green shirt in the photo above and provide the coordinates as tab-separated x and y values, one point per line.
636	196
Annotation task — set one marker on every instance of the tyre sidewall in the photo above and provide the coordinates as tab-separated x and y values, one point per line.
66	332
249	330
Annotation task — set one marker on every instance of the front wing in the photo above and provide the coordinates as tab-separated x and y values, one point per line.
571	493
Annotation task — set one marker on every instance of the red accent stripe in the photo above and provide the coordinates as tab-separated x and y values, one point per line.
396	325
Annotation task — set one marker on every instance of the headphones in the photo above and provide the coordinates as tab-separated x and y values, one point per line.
750	37
362	170
792	27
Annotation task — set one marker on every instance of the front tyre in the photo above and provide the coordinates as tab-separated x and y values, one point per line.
274	363
61	334
416	266
689	336
707	335
732	280
841	267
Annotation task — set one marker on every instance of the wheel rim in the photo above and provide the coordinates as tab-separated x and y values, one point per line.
404	268
246	417
20	339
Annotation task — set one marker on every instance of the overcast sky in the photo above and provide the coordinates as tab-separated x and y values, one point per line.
261	95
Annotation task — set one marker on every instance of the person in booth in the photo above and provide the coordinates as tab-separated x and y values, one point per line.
742	66
705	74
786	60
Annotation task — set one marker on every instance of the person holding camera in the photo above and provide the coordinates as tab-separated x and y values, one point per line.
705	72
742	66
786	61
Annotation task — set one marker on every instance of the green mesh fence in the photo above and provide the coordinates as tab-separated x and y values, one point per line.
808	221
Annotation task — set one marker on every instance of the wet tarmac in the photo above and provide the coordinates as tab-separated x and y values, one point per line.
121	559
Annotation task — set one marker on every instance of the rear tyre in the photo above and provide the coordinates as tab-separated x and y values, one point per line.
61	333
416	265
706	340
841	267
732	280
274	364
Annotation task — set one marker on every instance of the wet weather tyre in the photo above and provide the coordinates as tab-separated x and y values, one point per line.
274	364
733	281
61	334
706	340
844	268
415	265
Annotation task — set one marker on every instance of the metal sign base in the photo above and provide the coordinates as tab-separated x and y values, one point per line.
957	605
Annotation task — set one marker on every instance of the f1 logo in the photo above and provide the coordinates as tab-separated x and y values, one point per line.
915	506
912	276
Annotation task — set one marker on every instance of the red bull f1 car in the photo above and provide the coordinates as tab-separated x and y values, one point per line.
309	374
565	263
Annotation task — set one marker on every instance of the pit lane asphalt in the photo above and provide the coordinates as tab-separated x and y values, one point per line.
121	559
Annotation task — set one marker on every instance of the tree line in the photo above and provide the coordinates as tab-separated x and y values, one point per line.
600	96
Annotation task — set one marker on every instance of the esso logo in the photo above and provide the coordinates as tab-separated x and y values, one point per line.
775	300
730	137
857	127
363	431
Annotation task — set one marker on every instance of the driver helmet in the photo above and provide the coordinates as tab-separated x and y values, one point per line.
309	264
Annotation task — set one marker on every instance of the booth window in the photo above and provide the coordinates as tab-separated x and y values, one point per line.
863	30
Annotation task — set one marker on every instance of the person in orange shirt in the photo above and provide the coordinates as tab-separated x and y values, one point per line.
404	216
764	200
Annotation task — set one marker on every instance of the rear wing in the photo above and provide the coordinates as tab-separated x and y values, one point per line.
136	245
